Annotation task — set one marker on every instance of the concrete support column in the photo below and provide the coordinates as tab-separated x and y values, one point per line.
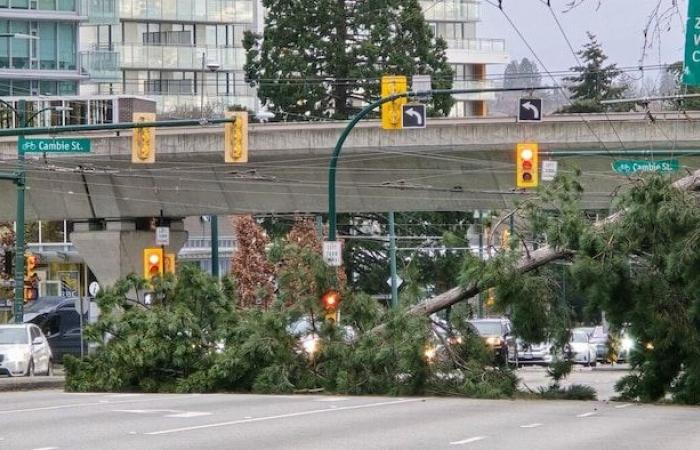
114	249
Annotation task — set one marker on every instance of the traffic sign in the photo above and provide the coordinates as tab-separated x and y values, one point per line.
413	115
626	166
53	145
163	236
530	110
549	170
691	68
333	253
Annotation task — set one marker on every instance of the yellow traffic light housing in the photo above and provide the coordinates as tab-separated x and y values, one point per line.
153	263
236	137
527	166
31	283
331	305
392	112
169	263
143	141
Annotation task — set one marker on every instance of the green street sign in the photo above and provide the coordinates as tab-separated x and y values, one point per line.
691	72
51	145
627	166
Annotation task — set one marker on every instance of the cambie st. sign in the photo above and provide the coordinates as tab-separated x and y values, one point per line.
631	166
51	145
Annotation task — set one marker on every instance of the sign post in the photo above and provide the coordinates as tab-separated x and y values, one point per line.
691	72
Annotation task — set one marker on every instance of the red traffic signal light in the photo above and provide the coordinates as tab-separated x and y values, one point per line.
331	300
527	161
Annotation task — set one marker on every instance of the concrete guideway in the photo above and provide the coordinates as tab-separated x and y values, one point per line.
454	164
118	421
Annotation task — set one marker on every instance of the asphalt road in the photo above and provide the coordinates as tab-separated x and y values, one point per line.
601	378
55	420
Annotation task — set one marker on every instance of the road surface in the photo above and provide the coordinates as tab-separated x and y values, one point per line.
55	420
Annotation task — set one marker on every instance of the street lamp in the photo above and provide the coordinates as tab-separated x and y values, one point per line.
19	180
212	66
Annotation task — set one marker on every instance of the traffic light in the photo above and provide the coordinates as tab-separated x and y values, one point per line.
392	112
143	141
236	137
169	263
331	304
30	263
527	166
153	263
31	285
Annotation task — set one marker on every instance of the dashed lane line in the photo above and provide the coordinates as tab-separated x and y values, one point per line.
468	441
531	425
588	414
623	406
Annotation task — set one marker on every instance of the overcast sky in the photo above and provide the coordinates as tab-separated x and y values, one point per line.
617	23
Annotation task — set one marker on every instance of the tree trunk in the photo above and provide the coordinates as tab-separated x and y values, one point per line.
527	263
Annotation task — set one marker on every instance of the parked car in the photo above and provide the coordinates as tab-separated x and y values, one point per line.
498	335
599	338
24	351
60	322
581	349
538	353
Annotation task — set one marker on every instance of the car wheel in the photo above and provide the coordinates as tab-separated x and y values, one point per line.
49	370
30	368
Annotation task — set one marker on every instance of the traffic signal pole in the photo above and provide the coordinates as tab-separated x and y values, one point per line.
19	177
332	168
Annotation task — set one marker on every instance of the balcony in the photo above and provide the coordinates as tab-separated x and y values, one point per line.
103	12
451	10
136	56
477	51
191	11
101	64
67	11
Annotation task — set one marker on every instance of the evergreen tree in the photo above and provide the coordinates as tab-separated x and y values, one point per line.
594	81
325	57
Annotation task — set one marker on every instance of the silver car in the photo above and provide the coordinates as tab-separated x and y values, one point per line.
24	351
581	349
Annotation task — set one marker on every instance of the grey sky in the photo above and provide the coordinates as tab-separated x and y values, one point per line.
617	23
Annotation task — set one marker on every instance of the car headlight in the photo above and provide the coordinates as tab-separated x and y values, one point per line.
310	344
493	341
430	353
627	343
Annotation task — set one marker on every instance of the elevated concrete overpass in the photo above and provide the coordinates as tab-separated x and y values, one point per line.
454	164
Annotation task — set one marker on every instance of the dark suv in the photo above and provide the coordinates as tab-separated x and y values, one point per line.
60	322
498	335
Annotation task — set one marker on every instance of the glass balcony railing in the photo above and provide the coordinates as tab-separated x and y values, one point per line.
218	11
478	45
134	56
451	10
101	64
102	12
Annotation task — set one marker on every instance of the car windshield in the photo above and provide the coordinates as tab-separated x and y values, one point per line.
10	336
488	328
42	305
579	336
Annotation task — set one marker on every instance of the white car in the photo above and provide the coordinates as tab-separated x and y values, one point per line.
24	351
582	350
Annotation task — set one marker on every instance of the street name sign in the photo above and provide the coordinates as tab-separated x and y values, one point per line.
414	116
54	145
626	166
691	71
530	110
333	253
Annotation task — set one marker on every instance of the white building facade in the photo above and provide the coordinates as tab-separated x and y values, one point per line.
456	22
156	48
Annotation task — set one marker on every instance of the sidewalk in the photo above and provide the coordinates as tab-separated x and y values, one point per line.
33	383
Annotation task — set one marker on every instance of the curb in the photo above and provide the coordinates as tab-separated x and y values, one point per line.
31	384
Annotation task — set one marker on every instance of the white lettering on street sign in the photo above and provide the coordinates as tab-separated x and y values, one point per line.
549	170
333	253
163	236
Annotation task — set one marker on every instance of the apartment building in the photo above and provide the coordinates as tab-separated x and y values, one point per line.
456	22
171	50
39	43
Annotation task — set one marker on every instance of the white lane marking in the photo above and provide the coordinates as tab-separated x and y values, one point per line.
588	414
46	448
81	405
188	414
124	395
531	425
623	406
468	441
248	417
284	416
333	399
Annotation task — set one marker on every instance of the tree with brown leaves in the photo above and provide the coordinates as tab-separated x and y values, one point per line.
253	272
